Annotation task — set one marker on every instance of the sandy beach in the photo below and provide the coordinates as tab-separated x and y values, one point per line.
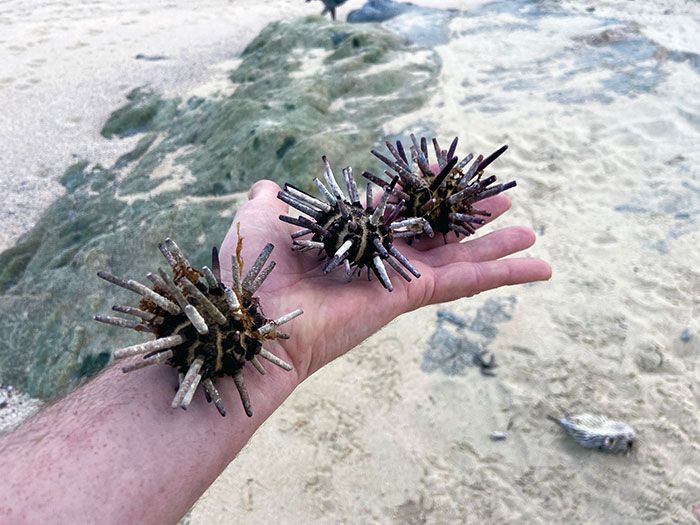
599	104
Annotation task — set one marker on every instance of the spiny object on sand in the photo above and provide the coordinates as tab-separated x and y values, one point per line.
349	233
593	431
329	6
446	198
203	328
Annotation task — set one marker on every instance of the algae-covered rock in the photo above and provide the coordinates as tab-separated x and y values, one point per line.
304	88
144	110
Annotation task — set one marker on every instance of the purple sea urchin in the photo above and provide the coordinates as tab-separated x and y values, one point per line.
349	233
203	328
445	199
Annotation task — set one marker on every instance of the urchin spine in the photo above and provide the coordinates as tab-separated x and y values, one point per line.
192	314
348	233
444	199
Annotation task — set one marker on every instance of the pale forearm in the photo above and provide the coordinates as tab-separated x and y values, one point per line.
114	451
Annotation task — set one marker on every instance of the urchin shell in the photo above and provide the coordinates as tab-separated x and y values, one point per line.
599	432
347	232
445	199
203	328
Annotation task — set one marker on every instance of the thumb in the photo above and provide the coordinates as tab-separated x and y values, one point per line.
258	220
262	201
263	189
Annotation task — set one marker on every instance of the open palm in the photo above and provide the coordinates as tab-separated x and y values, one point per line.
339	315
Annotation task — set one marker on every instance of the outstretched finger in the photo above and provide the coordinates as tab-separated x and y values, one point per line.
491	246
466	279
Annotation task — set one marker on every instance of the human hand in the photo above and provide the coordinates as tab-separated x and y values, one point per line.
340	315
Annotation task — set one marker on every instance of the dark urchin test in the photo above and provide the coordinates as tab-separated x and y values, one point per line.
203	328
444	199
348	233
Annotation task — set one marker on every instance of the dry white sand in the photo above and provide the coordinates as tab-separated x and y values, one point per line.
374	437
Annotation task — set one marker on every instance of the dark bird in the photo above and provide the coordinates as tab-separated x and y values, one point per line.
329	6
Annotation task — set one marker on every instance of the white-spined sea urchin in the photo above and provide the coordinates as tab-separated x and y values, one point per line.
445	199
203	328
349	233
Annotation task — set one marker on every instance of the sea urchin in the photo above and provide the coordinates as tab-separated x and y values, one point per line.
203	328
446	198
349	233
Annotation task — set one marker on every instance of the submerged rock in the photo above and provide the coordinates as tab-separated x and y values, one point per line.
457	343
424	26
379	11
304	87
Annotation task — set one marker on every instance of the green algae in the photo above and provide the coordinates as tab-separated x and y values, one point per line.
145	110
304	88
